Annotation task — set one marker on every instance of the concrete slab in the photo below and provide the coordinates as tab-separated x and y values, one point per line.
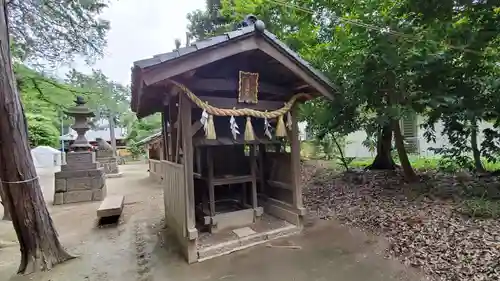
117	175
326	252
111	206
243	232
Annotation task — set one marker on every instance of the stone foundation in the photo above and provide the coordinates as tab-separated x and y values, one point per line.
108	162
80	180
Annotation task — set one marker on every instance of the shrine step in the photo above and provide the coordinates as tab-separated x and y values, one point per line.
112	206
247	237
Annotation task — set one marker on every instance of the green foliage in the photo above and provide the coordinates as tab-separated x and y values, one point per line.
41	131
208	22
136	150
140	129
108	99
45	96
390	59
56	31
430	163
371	143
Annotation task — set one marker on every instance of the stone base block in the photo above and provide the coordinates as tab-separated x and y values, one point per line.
110	166
80	161
79	186
99	195
80	157
77	196
79	167
58	198
104	154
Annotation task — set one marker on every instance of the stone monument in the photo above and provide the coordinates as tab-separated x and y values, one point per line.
80	179
106	158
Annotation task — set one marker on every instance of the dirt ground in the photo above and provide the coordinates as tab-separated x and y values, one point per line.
140	248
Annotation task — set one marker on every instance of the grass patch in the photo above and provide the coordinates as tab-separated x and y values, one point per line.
424	163
480	208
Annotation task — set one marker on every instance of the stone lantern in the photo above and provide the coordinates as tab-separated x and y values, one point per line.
80	179
80	112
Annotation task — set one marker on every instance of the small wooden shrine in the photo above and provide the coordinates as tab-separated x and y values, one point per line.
231	172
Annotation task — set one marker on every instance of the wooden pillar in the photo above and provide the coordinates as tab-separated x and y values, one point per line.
253	168
210	181
262	180
187	146
172	117
164	120
295	161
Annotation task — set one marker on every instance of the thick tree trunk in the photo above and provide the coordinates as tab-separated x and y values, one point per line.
403	156
40	247
476	154
383	160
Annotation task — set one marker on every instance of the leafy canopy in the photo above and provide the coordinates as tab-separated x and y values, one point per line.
56	31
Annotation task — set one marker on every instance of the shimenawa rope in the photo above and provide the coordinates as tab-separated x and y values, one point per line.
241	111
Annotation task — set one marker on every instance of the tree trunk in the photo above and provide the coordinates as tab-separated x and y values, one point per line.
40	246
476	154
6	214
403	156
112	136
383	160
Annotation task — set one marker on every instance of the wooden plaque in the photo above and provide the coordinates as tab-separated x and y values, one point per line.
248	88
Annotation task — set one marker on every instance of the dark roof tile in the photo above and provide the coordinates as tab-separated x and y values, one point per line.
209	42
240	31
186	50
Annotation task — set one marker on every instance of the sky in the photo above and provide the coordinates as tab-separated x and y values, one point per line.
139	30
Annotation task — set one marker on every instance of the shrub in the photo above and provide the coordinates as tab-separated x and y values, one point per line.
41	131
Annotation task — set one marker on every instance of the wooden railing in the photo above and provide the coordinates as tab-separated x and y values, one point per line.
156	170
174	192
279	177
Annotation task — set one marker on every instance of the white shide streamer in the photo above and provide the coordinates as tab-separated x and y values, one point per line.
234	127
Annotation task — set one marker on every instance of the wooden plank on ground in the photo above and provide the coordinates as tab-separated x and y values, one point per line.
111	206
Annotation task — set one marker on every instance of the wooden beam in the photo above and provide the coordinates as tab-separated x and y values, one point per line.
196	127
197	59
232	85
301	87
267	48
233	103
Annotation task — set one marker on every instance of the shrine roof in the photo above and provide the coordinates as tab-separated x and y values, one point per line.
150	76
229	36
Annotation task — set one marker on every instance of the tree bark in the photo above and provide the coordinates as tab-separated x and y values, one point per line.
383	160
38	239
476	154
403	156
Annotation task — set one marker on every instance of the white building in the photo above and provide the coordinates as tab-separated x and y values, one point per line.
46	157
417	144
